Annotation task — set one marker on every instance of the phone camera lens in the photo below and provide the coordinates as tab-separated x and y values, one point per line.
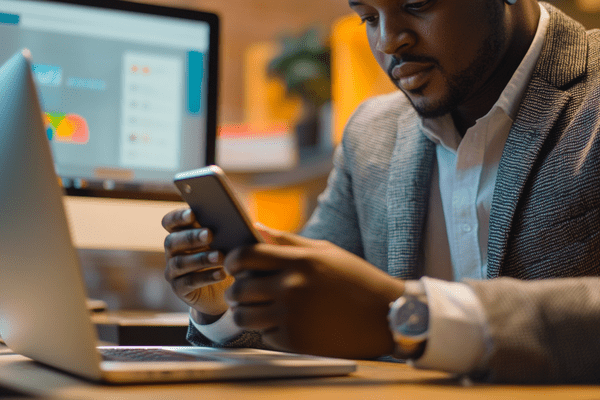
187	188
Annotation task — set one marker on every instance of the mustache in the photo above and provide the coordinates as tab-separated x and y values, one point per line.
408	58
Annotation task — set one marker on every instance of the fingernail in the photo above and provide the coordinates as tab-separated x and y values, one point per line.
203	236
213	256
187	215
218	275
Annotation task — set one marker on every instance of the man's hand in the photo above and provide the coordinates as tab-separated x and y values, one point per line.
193	270
310	296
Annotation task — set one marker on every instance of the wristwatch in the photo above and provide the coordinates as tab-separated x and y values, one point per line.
409	322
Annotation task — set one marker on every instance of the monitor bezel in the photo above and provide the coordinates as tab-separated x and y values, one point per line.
212	93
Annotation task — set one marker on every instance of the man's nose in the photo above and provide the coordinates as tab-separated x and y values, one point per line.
394	36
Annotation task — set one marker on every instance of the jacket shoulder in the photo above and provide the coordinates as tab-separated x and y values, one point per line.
387	107
376	121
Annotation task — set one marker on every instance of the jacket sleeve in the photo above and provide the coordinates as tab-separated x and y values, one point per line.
335	217
542	331
250	339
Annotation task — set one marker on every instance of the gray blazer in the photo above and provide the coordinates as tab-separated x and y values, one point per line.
545	215
543	331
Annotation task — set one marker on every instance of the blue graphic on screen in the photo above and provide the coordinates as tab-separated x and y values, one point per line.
10	19
47	75
195	75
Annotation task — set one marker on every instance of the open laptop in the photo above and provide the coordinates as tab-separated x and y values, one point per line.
43	312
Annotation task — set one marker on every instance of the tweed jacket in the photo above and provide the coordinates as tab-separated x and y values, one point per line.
544	220
545	217
542	331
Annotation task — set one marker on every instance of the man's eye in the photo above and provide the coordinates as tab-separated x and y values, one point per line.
417	5
369	20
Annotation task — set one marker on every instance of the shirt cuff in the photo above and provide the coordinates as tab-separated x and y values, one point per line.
458	338
220	331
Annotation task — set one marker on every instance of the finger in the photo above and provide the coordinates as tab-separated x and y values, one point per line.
274	236
176	220
269	235
187	240
253	289
262	257
262	317
180	265
189	283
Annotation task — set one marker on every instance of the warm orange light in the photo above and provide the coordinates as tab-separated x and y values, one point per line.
355	74
589	5
265	97
281	209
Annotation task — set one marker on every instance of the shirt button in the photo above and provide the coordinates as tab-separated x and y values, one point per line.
466	228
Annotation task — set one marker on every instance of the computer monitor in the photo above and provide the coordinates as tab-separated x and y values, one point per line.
128	90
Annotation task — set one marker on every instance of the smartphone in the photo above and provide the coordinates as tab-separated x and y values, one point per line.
216	207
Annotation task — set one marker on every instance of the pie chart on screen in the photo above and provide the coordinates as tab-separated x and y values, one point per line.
69	128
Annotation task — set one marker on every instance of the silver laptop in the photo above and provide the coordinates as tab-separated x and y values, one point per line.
43	313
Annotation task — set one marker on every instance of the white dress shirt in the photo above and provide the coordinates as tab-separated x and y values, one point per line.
463	186
456	233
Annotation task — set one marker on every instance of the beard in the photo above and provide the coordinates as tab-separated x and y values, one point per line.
460	85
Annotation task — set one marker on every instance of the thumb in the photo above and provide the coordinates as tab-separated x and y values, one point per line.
274	236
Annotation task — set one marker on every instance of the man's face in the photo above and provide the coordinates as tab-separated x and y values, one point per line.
438	52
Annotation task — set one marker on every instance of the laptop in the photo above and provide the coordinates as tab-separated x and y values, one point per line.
43	313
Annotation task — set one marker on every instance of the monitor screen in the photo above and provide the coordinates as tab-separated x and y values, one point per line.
128	90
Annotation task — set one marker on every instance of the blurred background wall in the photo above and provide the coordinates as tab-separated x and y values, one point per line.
585	11
245	22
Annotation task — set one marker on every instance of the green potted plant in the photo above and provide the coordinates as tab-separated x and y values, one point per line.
304	65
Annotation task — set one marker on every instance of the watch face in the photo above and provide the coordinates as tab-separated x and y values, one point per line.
412	318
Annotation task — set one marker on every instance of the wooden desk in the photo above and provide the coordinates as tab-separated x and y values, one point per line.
372	380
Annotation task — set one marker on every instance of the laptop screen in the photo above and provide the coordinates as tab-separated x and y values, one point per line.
128	91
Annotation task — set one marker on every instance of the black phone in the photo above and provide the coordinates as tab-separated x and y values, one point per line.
216	206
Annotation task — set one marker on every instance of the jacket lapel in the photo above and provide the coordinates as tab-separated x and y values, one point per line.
408	197
565	42
521	150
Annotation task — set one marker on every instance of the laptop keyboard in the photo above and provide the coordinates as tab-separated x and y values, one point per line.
141	355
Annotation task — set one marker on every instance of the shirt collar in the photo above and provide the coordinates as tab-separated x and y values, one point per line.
511	96
442	130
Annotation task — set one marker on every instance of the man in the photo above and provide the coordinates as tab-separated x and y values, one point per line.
483	165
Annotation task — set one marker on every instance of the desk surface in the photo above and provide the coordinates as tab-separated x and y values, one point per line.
372	380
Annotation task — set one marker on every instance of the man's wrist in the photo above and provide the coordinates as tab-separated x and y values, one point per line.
204	319
457	339
409	321
221	330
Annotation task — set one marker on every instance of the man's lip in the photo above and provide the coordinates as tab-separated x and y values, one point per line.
409	68
411	75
